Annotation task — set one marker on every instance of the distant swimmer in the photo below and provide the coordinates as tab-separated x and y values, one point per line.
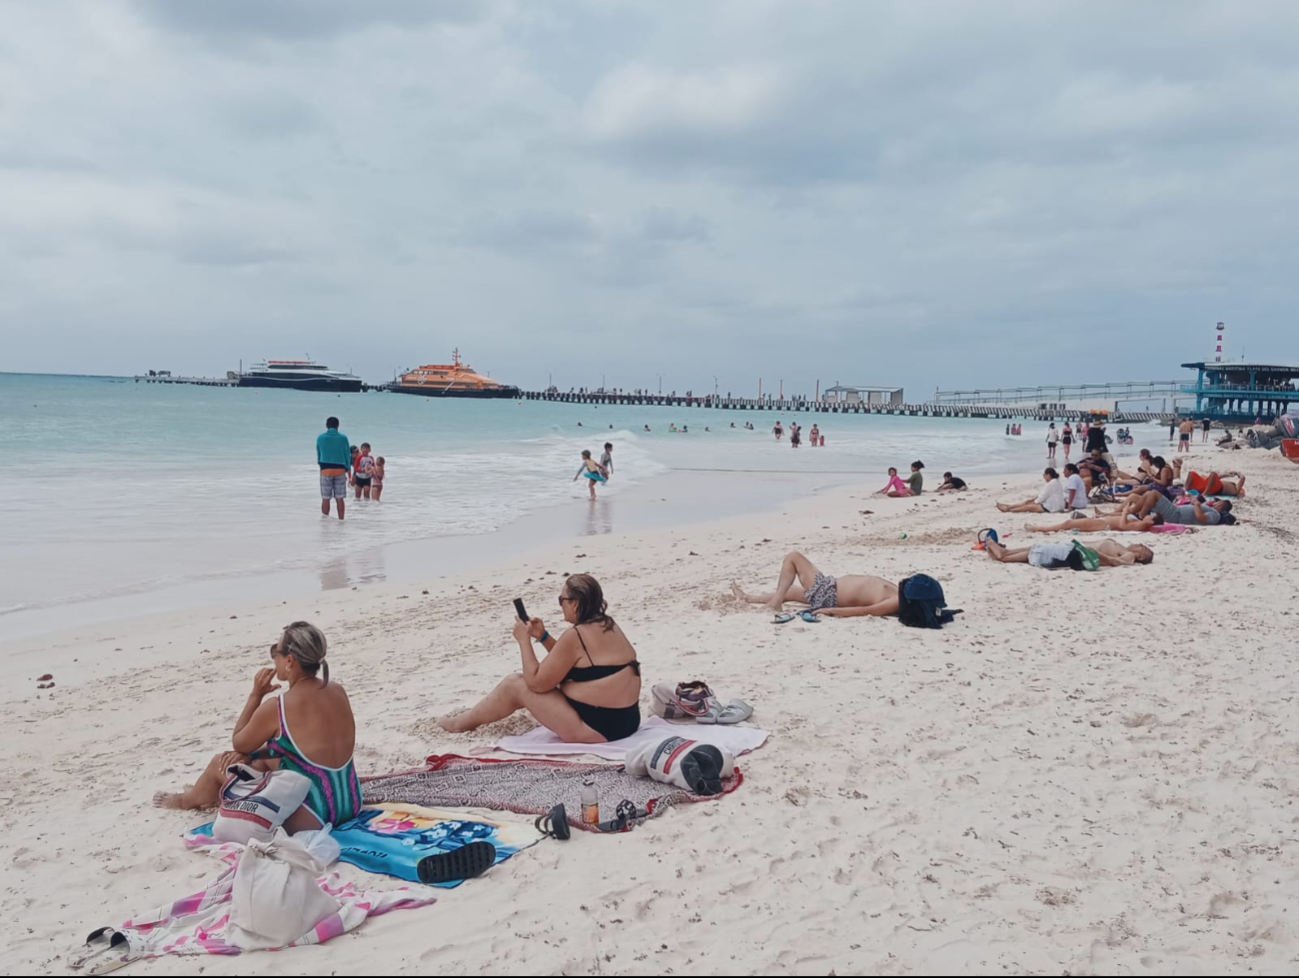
778	431
647	427
593	472
816	436
795	434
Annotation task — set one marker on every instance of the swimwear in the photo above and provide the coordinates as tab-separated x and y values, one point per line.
610	722
824	592
1050	555
363	481
335	795
333	486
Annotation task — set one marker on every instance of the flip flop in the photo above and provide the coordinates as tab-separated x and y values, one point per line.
984	536
464	863
783	618
105	950
810	617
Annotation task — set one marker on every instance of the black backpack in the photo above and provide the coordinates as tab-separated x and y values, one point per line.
921	603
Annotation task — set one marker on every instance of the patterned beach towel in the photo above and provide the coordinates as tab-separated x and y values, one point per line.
392	839
530	786
200	923
735	739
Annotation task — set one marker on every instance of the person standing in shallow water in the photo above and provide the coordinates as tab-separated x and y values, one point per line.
334	455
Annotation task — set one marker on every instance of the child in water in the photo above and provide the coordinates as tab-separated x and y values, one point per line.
376	484
591	469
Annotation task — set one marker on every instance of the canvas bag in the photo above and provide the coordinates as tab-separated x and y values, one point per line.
698	768
681	701
275	893
255	803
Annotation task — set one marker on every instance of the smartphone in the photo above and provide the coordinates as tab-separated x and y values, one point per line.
519	609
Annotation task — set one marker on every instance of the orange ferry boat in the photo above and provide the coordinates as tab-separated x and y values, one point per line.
454	379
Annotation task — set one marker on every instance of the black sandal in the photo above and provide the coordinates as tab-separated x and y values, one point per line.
458	864
554	824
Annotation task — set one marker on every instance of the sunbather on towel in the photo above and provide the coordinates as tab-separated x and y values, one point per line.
844	597
320	747
582	701
1100	524
1112	554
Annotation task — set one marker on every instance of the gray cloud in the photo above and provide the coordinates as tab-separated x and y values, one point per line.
1045	192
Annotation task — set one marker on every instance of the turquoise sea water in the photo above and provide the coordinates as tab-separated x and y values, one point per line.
119	488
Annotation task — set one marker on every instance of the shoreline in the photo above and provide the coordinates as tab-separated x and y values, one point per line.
1074	775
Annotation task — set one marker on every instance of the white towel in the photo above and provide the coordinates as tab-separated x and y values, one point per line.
736	738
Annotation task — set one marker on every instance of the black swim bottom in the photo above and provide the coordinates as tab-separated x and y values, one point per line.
363	481
611	723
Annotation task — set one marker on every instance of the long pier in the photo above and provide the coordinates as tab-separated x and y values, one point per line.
1000	412
798	404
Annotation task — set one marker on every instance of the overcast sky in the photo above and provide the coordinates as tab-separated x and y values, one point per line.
878	193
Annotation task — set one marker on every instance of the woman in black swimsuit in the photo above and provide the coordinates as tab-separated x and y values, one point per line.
587	688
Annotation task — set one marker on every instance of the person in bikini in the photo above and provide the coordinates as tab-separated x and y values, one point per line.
568	692
320	749
844	597
376	484
1101	524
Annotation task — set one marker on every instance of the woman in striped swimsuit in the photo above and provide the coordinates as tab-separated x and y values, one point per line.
308	729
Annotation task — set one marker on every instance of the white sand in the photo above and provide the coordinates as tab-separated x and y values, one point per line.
1086	774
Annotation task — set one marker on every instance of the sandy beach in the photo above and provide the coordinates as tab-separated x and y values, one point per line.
1085	774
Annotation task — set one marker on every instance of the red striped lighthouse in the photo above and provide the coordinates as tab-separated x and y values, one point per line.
1217	353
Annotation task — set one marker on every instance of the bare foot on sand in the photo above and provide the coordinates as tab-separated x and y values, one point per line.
738	592
453	723
776	606
167	799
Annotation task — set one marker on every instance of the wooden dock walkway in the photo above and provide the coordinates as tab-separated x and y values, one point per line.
803	405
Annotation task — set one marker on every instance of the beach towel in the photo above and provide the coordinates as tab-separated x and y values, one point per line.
392	839
736	739
530	786
201	922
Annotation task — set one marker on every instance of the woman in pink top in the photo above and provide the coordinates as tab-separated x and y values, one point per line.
896	487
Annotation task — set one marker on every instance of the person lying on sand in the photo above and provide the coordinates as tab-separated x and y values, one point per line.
1217	483
324	730
579	699
1099	524
1210	513
1056	555
844	597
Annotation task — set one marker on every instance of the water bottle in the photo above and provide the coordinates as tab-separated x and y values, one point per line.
590	803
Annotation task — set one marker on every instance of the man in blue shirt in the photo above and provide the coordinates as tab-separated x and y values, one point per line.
335	457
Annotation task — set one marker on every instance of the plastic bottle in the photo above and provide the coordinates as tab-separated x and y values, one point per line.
590	803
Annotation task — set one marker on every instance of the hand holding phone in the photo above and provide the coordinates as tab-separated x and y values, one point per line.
519	609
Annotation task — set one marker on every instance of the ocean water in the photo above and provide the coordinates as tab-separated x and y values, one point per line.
124	489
